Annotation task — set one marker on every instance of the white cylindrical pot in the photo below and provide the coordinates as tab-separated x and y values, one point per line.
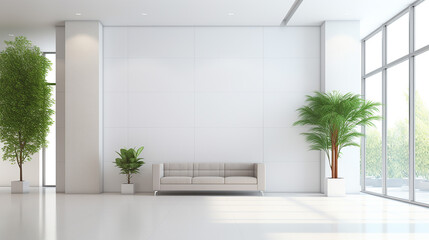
20	187
127	188
335	187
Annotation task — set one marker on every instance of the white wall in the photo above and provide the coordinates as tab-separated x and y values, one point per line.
60	110
83	106
45	39
341	66
211	94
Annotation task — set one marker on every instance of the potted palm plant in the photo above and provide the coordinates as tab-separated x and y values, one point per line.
129	163
333	119
25	104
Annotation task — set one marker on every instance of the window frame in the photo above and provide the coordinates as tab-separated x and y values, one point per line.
44	149
412	53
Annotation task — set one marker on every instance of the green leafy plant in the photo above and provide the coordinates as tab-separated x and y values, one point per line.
398	145
333	119
129	161
25	101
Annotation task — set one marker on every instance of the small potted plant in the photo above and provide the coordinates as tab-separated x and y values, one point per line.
129	163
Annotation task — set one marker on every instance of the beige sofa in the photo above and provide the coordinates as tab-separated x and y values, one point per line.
208	177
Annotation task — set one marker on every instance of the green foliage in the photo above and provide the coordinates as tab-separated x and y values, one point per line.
25	101
333	119
373	151
129	161
397	146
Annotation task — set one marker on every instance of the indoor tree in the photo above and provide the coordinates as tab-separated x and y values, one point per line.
129	162
25	101
333	119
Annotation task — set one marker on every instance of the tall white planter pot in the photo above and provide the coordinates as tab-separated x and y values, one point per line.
335	187
127	188
20	187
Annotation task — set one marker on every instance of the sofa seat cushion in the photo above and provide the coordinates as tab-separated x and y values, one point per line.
208	180
241	180
176	180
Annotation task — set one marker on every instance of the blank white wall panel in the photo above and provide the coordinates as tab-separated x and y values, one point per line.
115	42
228	145
211	94
175	74
229	75
161	42
292	42
116	109
116	75
296	175
301	75
224	42
236	109
161	109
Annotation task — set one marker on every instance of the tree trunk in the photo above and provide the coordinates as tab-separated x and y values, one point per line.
336	162
129	178
333	161
20	172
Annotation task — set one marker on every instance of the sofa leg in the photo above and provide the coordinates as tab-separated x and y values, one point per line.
155	193
262	193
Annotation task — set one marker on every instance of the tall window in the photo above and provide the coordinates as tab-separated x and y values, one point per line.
49	153
397	162
422	127
374	165
396	73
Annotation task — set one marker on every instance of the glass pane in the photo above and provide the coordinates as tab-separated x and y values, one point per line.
398	38
373	149
373	53
50	151
422	127
422	25
397	130
51	78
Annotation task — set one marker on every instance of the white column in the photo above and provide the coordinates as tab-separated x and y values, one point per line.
60	109
83	106
340	69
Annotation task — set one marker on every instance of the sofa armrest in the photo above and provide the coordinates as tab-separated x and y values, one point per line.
157	174
260	175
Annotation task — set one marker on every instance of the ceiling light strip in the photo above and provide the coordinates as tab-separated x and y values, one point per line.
291	12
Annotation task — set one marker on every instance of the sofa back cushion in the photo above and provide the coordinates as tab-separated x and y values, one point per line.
209	170
240	169
178	169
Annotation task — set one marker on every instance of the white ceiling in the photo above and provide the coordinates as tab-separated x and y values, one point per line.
159	12
371	13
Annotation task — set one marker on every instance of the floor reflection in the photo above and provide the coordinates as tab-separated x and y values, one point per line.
43	214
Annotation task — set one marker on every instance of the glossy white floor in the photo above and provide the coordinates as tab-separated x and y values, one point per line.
46	215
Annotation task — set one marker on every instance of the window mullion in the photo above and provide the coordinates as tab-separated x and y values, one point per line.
412	108
384	111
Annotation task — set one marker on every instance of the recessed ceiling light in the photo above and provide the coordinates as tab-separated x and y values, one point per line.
231	14
78	14
11	35
144	14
